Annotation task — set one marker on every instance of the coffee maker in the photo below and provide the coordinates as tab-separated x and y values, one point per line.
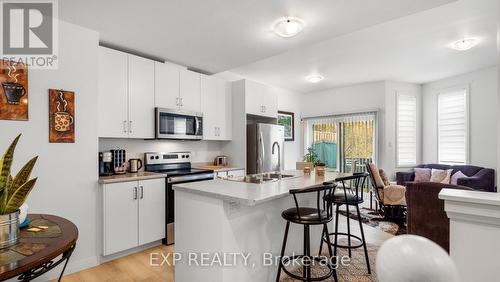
105	163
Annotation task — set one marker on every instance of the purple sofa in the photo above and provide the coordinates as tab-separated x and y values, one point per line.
479	178
425	211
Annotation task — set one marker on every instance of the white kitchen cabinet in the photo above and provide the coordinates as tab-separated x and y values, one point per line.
260	99
190	91
216	108
134	214
113	93
236	173
120	217
151	210
126	95
167	83
220	175
141	83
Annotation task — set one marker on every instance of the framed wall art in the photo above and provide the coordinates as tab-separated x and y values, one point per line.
14	91
287	119
61	116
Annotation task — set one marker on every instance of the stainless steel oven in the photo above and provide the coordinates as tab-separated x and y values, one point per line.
177	124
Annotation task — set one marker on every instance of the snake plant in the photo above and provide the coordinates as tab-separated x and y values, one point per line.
14	190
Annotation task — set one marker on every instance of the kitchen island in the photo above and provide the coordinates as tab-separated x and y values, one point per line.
227	230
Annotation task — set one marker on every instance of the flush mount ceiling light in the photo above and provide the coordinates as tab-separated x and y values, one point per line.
464	44
288	26
315	78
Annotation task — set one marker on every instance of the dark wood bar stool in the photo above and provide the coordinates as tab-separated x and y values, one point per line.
320	215
348	195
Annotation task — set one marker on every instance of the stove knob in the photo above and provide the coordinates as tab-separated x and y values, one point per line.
183	156
187	156
152	157
157	157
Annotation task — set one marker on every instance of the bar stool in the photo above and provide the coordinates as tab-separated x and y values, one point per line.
320	215
351	195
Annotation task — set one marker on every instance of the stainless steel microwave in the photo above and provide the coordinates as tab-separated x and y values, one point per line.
177	124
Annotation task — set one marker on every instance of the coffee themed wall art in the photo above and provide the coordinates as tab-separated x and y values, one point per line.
14	91
61	116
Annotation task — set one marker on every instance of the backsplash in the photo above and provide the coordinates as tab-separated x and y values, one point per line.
201	151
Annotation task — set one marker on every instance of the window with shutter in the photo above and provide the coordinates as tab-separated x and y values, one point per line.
453	129
406	120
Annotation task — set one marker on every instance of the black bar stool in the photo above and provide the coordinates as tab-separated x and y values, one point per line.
350	195
320	215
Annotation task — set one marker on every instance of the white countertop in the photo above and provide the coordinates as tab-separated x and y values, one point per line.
126	177
252	194
475	197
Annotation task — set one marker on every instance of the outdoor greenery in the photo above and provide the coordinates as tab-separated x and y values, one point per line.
14	190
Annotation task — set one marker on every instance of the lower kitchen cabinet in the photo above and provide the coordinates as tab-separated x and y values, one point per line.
134	214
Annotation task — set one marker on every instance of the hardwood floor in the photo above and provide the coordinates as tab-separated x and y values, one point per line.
135	267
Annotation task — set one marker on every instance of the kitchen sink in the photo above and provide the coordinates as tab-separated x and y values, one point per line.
276	176
262	178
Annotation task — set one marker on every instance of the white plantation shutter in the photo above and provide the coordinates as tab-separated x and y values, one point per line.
406	130
453	127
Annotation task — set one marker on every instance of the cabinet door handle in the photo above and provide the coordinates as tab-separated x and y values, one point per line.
177	101
125	126
264	108
135	193
182	102
142	192
130	126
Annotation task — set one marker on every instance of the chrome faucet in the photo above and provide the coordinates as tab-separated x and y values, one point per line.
279	158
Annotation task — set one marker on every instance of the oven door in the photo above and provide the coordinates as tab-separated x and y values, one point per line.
170	200
175	124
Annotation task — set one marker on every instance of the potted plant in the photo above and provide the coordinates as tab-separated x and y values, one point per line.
320	169
311	156
13	193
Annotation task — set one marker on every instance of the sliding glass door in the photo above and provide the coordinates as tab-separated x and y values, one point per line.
343	142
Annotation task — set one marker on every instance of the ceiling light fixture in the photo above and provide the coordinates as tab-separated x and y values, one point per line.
464	44
315	78
288	26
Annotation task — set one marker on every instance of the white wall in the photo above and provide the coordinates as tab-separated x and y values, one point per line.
392	89
202	151
67	173
361	97
350	99
291	102
483	108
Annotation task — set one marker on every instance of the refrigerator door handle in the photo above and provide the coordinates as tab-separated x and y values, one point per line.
261	156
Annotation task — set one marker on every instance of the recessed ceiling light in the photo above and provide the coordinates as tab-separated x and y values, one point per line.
464	44
315	78
288	26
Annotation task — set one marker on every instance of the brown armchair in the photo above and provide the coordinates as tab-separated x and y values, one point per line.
425	211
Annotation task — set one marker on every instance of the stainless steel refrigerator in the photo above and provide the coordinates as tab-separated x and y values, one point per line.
261	137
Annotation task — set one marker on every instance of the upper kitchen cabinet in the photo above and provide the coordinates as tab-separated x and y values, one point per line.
216	108
260	99
141	81
190	91
126	95
113	93
167	85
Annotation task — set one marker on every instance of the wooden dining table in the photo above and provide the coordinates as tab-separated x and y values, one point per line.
39	252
